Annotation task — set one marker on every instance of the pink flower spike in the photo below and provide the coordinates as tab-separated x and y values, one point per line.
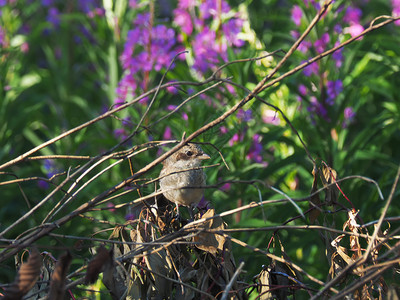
354	30
296	15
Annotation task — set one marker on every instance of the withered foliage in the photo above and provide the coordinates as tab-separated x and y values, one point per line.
59	277
194	261
26	278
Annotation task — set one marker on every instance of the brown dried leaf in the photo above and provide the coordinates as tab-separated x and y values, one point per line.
362	293
337	265
58	278
114	278
208	241
377	245
339	258
138	286
354	241
26	278
144	284
264	284
98	263
274	281
329	176
315	200
159	263
40	289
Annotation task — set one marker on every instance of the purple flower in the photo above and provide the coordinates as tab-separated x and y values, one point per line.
24	47
338	56
338	28
349	115
317	109
111	207
231	30
172	89
207	52
126	88
223	130
209	49
312	68
53	17
234	139
130	217
231	89
171	107
43	184
354	30
146	48
120	134
47	2
185	4
333	89
244	115
182	19
302	89
167	133
352	15
50	168
316	5
210	8
297	14
256	150
320	44
225	187
269	116
237	137
396	10
96	12
304	45
133	4
3	42
89	7
127	122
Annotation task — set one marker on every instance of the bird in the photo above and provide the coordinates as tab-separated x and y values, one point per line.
181	178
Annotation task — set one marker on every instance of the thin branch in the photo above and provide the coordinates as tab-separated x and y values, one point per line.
229	285
383	214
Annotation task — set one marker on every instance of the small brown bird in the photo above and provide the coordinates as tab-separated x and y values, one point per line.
184	187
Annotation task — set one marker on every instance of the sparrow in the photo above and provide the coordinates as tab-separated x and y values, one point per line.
181	179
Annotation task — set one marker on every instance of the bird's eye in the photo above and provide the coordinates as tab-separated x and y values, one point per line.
189	153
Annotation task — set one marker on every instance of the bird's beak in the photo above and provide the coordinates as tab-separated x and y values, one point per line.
203	156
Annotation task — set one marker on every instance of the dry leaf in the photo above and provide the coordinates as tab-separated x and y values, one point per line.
329	176
274	282
354	241
209	241
96	265
26	278
114	278
58	278
264	284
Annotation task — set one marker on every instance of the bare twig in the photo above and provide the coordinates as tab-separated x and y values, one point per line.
229	285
